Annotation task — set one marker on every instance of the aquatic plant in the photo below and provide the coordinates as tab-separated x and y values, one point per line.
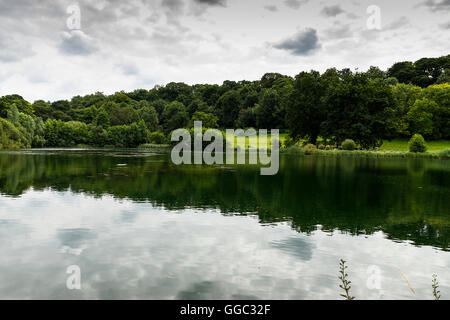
435	286
343	276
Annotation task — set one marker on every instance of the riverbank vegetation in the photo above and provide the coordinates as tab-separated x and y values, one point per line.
323	110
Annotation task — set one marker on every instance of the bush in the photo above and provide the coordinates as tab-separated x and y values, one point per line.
157	138
309	148
289	142
417	144
349	145
445	154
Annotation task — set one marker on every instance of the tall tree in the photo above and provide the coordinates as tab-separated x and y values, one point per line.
305	111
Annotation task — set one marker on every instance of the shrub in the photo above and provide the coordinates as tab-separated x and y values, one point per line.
417	144
157	138
445	154
348	144
289	142
293	150
309	148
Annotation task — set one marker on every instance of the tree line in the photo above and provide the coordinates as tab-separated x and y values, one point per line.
336	105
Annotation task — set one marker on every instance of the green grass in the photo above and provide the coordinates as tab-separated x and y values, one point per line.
402	146
253	141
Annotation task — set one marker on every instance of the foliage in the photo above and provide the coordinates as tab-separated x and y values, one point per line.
228	107
10	136
343	276
358	107
435	286
423	72
348	144
128	136
309	148
420	116
289	142
306	111
208	120
445	154
368	106
149	115
157	138
417	144
174	116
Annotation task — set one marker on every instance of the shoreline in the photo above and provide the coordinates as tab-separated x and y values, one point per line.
291	151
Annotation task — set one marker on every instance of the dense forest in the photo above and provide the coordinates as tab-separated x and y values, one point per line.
408	98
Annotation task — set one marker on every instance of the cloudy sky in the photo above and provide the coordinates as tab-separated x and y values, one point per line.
124	45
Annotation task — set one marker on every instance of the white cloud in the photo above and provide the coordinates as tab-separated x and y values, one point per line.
133	44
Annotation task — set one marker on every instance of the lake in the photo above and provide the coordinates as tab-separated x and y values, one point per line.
139	227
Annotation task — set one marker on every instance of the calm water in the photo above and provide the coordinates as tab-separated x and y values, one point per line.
141	228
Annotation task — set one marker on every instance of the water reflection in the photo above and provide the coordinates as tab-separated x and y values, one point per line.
407	199
155	231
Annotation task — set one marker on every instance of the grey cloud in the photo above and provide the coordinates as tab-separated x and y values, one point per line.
295	4
271	8
12	50
129	69
221	3
339	31
76	43
175	6
400	22
445	25
437	5
301	44
352	16
332	11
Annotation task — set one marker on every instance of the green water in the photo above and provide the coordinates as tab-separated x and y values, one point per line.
140	227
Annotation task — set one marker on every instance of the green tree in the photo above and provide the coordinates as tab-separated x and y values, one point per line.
267	109
175	116
246	118
42	109
358	108
229	105
440	94
404	96
404	72
122	114
420	116
306	111
208	120
13	114
149	115
102	119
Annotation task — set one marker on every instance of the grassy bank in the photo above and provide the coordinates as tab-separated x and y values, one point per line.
389	149
402	146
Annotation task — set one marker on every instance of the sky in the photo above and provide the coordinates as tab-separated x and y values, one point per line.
56	49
